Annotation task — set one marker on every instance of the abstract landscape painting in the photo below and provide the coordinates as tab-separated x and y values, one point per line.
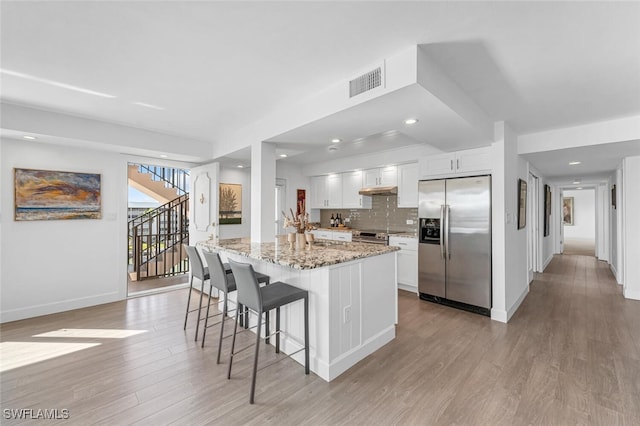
54	195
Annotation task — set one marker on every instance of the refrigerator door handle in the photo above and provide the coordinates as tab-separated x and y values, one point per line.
441	234
446	232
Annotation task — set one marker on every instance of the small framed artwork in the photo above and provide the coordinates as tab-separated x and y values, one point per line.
55	195
547	210
613	196
230	210
567	211
522	203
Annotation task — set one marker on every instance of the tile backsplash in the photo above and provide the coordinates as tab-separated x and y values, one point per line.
384	215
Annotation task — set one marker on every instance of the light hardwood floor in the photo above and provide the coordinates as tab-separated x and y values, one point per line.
570	355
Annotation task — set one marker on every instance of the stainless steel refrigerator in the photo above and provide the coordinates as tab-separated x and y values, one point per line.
454	254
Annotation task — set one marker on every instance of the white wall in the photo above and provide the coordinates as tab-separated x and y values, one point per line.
509	252
630	208
53	266
584	215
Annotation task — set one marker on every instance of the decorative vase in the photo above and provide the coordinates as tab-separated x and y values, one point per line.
291	237
300	241
310	239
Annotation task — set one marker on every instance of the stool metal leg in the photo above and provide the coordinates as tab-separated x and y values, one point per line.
206	318
199	309
306	335
224	315
188	302
233	345
255	360
277	330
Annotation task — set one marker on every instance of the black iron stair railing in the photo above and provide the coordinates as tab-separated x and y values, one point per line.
156	240
175	178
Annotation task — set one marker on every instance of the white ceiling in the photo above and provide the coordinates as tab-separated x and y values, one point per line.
214	67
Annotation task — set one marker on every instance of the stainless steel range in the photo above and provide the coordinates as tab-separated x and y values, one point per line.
372	237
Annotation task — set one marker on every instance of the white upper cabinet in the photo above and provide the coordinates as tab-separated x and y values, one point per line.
384	176
351	184
408	185
319	199
326	191
334	191
456	163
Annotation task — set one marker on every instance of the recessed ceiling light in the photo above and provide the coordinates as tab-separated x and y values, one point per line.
573	163
579	187
283	155
336	140
411	121
576	182
164	156
31	138
240	166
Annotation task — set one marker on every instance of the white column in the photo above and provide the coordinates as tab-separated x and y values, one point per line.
263	184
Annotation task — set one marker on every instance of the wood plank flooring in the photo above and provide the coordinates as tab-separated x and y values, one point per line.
570	355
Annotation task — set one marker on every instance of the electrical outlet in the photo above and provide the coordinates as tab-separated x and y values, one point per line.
347	220
347	314
409	221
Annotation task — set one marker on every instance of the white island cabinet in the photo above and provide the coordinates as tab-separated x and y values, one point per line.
407	262
352	297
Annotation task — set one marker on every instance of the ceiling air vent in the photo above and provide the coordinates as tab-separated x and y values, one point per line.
365	82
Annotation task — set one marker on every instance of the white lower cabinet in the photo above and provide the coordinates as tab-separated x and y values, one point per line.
321	234
407	262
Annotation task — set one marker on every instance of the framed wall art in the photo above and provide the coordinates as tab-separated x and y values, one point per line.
567	211
613	196
522	203
547	210
230	210
56	195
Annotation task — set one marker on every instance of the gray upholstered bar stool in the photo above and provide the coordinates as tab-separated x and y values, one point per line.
261	300
199	271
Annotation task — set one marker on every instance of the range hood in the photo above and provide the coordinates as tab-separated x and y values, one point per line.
379	190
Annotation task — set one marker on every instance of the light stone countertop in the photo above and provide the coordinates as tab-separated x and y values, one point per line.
322	253
337	229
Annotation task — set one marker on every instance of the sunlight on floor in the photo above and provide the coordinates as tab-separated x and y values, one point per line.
19	354
88	333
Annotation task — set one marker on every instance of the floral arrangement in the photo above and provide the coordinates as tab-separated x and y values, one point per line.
300	221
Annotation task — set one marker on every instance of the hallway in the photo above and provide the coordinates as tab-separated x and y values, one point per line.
570	355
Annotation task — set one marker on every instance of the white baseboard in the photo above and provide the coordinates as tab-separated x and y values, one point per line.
55	307
631	294
547	262
614	271
499	315
407	287
512	310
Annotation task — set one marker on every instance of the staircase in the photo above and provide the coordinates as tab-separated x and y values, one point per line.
156	237
160	183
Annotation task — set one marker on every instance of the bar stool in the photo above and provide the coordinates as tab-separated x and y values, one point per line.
262	300
224	282
199	271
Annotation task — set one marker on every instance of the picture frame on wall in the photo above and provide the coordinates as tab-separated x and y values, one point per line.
56	195
547	210
613	196
522	203
567	211
230	205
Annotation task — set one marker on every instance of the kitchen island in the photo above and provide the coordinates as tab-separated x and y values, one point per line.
352	296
